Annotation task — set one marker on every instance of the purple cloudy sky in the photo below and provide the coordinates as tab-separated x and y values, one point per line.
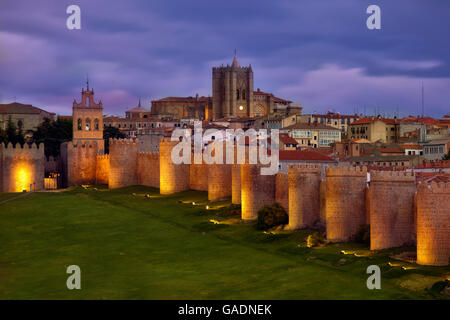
318	53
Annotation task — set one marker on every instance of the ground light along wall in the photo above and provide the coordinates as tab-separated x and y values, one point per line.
173	178
22	168
256	190
345	202
391	201
123	154
304	196
433	224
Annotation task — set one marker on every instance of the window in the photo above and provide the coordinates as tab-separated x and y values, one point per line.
79	124
88	124
96	126
237	94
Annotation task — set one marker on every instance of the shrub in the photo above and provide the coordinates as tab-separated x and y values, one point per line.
314	240
271	216
362	235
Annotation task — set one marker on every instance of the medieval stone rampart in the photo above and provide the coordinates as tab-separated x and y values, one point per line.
123	155
148	169
304	196
433	224
391	208
173	177
345	202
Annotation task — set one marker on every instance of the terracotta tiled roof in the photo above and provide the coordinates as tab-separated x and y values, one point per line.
17	107
284	138
389	150
138	110
300	155
411	146
370	120
309	126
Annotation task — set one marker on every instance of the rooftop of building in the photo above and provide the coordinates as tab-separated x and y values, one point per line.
390	121
303	155
20	108
310	126
284	138
333	115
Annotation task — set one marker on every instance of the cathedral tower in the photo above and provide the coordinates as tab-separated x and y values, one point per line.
232	91
88	119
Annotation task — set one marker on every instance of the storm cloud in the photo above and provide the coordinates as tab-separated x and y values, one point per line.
318	53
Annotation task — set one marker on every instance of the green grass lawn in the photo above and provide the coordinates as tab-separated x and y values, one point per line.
129	246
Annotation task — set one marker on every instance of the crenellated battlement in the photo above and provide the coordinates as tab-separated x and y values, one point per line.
392	176
347	171
23	152
85	144
434	188
101	157
123	142
306	168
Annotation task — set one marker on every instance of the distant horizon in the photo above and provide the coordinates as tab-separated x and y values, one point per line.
321	56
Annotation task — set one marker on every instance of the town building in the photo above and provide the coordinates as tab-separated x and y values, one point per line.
332	119
24	116
375	129
313	134
436	149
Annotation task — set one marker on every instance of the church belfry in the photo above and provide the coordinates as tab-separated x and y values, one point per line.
88	119
232	88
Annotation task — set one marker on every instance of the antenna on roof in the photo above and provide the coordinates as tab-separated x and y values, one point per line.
423	100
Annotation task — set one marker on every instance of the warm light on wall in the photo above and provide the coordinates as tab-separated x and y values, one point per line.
22	178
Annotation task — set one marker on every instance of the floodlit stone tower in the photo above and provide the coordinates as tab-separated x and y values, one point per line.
391	201
345	205
256	190
232	91
173	177
433	224
88	120
22	168
304	196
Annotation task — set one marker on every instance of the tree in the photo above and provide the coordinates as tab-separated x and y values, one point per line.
52	133
11	135
111	133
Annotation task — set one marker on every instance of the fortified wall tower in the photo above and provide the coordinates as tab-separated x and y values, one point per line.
80	162
173	178
345	205
304	196
22	168
391	201
123	155
256	190
102	169
433	224
148	169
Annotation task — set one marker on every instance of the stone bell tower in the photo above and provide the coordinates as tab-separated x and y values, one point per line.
88	119
232	88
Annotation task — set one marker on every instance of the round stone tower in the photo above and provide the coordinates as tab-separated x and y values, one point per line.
345	202
304	196
173	177
433	224
256	190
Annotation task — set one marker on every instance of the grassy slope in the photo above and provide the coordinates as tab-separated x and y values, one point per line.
132	247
